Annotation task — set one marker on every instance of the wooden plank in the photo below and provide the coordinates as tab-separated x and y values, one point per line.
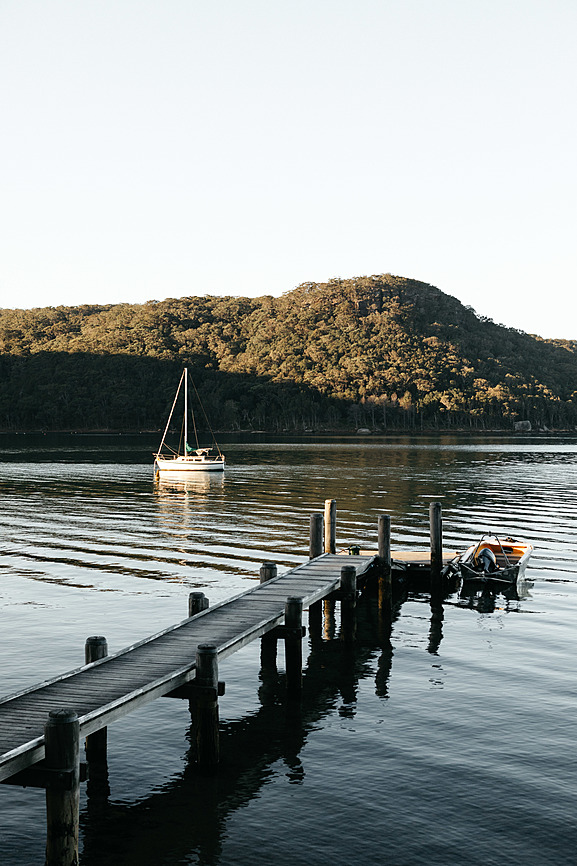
109	688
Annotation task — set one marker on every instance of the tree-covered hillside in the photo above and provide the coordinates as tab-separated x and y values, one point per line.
381	351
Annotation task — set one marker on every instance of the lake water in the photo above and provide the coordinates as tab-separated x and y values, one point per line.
448	738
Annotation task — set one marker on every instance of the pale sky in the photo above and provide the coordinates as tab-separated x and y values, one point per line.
160	148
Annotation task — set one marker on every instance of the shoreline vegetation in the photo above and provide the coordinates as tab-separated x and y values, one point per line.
382	354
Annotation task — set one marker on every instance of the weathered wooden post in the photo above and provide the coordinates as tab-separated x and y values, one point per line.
348	592
197	602
293	618
268	644
268	571
95	648
330	525
316	549
62	753
316	536
385	575
436	526
205	716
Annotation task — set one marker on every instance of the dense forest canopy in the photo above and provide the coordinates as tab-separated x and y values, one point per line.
381	352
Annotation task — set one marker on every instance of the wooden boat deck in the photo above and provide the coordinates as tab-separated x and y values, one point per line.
110	688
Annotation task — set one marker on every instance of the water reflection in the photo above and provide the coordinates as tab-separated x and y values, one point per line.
188	482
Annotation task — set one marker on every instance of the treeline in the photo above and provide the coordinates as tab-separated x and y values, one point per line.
381	352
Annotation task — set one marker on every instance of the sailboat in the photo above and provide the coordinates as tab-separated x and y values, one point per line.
191	459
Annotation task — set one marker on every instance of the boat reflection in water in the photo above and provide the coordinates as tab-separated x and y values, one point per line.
188	482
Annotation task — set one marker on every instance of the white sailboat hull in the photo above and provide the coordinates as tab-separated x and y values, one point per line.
189	463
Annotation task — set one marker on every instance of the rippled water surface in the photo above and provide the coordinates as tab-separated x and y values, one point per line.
446	738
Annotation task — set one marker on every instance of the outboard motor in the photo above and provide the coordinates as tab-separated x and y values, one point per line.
486	560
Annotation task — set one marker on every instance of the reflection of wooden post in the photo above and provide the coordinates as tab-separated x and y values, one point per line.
348	602
328	618
205	717
330	525
62	742
96	648
316	536
197	601
436	523
293	618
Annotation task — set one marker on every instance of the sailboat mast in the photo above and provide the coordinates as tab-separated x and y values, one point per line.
185	409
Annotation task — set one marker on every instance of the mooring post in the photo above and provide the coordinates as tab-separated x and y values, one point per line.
436	521
268	643
62	752
316	536
293	618
95	648
316	549
205	717
330	525
348	590
197	601
385	589
268	571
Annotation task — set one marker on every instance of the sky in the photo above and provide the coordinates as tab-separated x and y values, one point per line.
163	148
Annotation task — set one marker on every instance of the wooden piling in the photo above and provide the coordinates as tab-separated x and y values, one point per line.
294	646
384	538
96	744
316	536
348	591
316	549
62	751
197	601
436	526
268	643
385	589
268	571
330	525
205	716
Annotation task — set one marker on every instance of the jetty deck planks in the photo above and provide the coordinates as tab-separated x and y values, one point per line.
109	688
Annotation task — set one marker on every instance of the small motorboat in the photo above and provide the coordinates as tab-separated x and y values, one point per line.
499	560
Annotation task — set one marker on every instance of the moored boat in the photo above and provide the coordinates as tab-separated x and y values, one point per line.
501	560
186	458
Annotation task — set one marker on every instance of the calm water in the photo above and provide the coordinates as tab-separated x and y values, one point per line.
446	739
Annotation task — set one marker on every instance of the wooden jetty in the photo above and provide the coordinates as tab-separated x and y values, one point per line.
40	727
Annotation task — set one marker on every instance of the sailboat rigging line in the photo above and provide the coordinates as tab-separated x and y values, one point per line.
171	411
205	418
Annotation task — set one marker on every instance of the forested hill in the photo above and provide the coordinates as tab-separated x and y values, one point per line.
382	352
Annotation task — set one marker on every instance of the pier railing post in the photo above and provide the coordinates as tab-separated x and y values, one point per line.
205	718
316	536
197	601
294	646
62	752
348	591
330	525
436	525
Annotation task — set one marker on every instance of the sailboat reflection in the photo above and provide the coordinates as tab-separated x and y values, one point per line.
186	482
